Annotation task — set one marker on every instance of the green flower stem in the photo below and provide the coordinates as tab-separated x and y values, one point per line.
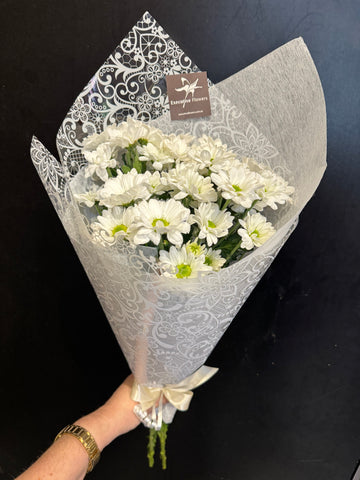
153	436
226	204
162	434
234	228
235	249
161	244
230	232
98	209
127	158
236	224
109	172
151	446
137	164
245	212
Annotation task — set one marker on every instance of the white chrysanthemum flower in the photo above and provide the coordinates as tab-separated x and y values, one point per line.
157	155
179	263
212	154
253	165
125	188
255	231
195	248
99	160
93	141
213	222
160	217
214	259
177	146
275	191
155	184
186	181
88	198
127	133
239	185
116	223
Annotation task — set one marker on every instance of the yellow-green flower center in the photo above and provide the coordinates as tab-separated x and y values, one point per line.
184	270
236	188
165	222
256	233
208	261
119	228
195	248
211	224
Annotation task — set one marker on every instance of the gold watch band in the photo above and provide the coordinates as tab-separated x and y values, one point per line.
87	441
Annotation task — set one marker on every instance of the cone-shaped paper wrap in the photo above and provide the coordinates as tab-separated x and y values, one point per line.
168	327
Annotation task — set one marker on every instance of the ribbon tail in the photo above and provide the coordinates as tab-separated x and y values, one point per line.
202	375
160	411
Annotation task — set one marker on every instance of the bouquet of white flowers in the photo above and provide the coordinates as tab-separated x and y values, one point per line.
190	199
168	217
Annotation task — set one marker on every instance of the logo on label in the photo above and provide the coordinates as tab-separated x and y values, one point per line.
188	88
188	95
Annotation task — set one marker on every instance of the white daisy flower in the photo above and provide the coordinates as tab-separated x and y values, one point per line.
154	154
113	136
212	154
186	181
93	141
125	188
155	184
177	146
179	263
256	230
88	198
160	217
253	165
214	259
116	223
239	185
213	222
127	133
274	191
195	248
99	160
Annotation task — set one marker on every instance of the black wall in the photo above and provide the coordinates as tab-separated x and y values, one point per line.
286	400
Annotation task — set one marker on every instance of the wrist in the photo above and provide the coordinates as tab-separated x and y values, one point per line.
114	418
100	426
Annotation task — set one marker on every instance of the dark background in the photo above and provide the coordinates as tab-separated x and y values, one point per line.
286	402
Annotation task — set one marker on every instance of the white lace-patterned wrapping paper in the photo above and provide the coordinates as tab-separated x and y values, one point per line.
273	111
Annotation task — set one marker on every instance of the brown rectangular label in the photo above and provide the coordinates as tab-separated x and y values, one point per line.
188	95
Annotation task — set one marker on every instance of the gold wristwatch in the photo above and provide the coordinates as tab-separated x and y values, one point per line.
87	441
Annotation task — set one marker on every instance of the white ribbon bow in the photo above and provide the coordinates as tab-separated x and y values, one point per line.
179	394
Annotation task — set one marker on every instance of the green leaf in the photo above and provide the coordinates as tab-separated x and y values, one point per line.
111	172
137	164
